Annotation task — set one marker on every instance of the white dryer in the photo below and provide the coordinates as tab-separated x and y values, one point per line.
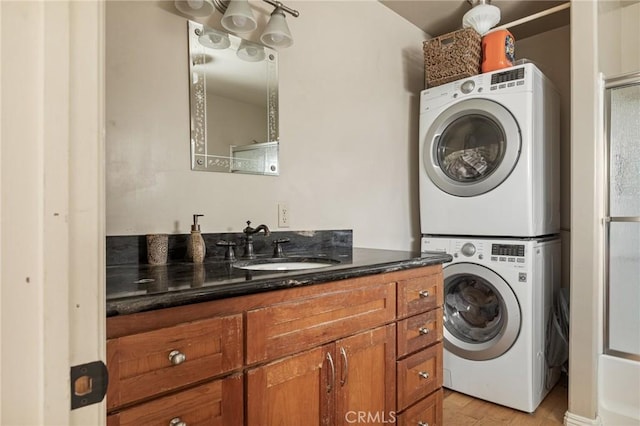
498	296
489	155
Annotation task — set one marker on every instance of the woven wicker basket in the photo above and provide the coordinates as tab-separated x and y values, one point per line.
452	56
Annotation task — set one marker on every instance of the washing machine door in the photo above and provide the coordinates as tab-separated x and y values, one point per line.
481	312
471	147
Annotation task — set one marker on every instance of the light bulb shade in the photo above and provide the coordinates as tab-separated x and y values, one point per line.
238	18
196	8
277	33
214	39
251	52
481	18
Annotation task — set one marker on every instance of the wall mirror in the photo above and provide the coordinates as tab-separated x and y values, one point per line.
233	87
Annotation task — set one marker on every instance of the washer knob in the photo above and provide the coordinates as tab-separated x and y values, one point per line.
467	86
468	249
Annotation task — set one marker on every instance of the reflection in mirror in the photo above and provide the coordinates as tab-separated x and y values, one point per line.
233	87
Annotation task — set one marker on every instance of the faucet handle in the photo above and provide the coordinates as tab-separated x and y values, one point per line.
229	253
277	246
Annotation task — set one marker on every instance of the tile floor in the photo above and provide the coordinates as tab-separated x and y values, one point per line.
463	410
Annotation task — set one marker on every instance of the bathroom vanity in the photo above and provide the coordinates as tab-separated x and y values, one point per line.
357	341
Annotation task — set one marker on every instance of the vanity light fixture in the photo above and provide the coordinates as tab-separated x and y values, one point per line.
482	17
239	19
196	8
277	33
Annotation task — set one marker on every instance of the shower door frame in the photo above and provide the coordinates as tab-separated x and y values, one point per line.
609	84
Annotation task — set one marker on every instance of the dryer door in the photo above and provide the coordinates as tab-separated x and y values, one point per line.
481	312
471	147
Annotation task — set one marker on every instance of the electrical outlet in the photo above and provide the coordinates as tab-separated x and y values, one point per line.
283	215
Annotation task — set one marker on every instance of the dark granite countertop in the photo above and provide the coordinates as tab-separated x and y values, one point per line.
138	288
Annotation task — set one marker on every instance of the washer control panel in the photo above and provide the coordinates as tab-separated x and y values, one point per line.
469	250
510	253
476	250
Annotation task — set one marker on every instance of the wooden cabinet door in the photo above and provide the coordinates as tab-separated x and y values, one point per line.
419	375
296	390
216	403
283	329
419	295
145	364
366	377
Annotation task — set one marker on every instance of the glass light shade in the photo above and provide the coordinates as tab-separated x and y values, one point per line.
481	18
277	33
215	40
250	52
238	18
197	8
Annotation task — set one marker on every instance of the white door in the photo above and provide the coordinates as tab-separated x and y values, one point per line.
481	313
51	210
471	147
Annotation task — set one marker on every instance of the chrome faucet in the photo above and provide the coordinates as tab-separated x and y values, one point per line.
248	232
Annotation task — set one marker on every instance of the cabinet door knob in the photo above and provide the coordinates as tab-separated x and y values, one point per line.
177	421
423	330
423	374
177	358
423	424
424	293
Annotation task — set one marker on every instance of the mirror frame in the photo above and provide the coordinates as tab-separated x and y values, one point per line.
258	158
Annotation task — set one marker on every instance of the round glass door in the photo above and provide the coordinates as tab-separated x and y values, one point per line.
472	147
481	313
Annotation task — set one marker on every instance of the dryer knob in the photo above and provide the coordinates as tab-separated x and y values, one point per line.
468	86
468	249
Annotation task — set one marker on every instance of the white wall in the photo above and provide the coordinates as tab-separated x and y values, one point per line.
349	91
52	228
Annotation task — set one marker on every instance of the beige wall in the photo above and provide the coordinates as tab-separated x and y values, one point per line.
349	91
555	63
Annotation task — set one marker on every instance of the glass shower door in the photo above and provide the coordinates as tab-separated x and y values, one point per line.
622	308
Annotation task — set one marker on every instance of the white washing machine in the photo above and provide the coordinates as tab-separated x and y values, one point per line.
489	155
498	295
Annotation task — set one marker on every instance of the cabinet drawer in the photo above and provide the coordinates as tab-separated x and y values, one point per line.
427	412
419	295
419	375
217	403
283	329
419	331
147	364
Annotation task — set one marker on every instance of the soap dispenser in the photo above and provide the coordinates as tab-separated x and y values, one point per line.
195	244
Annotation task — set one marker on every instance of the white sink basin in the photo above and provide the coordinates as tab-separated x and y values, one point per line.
285	264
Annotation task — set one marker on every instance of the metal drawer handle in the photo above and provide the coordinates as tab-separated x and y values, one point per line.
176	357
333	373
424	293
424	330
423	424
345	366
423	374
177	421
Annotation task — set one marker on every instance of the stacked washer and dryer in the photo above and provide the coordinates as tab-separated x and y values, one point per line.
489	196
